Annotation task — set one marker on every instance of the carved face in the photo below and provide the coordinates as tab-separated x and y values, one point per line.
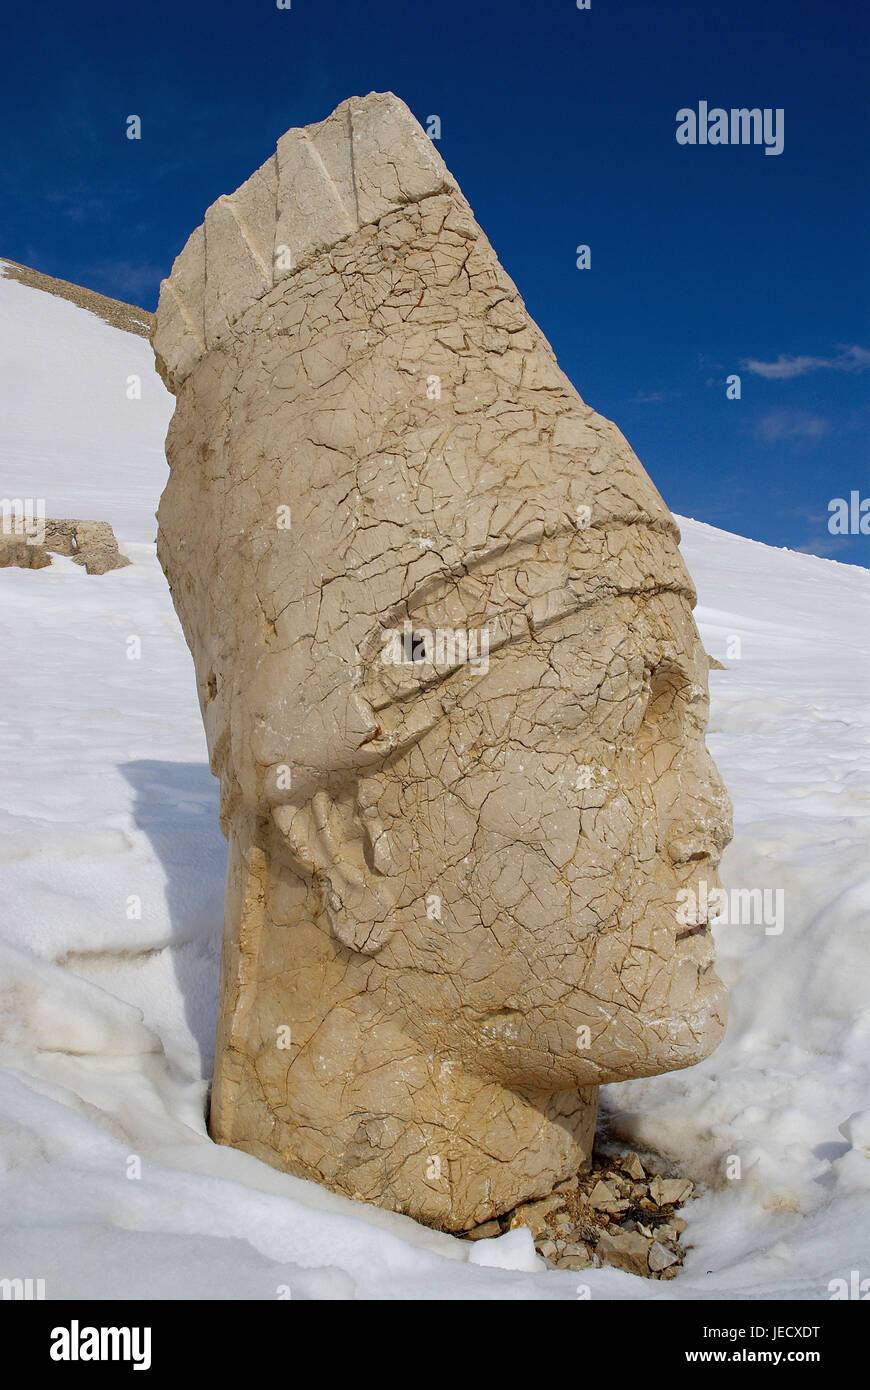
515	864
501	852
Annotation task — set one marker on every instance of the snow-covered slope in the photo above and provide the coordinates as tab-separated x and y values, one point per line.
106	1017
71	432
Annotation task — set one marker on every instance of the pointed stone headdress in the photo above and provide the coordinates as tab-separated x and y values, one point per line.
423	436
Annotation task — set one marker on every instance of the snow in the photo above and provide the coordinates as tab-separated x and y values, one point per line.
113	886
513	1250
70	433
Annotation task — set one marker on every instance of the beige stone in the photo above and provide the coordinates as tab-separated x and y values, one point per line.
88	543
577	1249
451	686
631	1164
670	1230
670	1191
604	1197
573	1261
21	554
535	1214
488	1231
627	1250
660	1257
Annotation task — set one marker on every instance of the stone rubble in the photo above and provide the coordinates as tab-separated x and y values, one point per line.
88	543
616	1214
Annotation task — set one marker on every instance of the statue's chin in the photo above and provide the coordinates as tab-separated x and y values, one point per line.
686	1038
659	1043
660	1040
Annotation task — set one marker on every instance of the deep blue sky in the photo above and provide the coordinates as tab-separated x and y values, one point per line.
560	126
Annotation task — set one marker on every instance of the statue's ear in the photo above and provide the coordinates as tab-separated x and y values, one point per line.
345	847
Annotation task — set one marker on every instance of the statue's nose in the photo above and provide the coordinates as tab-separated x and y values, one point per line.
687	844
705	825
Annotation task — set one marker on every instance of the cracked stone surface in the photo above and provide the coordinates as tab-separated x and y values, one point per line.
451	907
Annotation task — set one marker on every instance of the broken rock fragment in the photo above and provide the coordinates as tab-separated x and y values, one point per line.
627	1250
669	1191
88	543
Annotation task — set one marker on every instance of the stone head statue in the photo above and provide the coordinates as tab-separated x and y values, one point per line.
451	685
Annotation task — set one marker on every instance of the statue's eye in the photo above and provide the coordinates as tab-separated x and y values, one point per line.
664	706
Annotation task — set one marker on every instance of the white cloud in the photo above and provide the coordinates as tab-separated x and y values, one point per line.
847	359
779	425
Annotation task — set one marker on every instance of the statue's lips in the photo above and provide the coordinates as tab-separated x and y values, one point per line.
693	931
696	944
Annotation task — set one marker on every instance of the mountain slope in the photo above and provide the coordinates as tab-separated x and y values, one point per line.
74	432
111	915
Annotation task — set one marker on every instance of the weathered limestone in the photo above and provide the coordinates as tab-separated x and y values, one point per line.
88	543
451	686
